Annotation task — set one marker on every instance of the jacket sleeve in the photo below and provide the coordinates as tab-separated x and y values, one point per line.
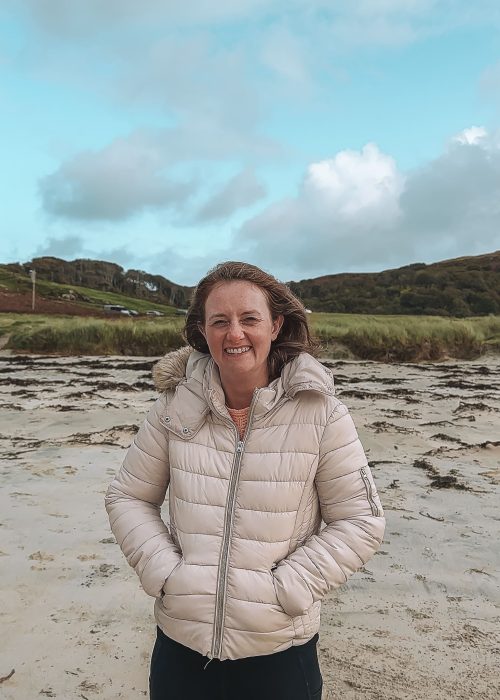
133	502
351	509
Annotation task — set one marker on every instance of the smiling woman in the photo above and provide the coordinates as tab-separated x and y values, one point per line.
239	330
255	451
293	337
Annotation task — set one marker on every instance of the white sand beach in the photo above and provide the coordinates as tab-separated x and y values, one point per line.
421	620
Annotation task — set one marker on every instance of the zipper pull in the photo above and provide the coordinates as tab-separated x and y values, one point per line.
239	447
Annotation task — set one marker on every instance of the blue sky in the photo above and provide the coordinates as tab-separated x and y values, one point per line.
308	137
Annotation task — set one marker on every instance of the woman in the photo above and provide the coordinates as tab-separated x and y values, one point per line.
256	451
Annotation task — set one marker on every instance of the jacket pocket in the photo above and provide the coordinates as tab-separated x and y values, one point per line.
293	594
169	578
275	591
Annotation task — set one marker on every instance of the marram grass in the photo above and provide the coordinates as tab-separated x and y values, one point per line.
406	338
84	336
383	338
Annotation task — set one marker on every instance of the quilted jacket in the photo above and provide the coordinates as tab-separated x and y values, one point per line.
244	562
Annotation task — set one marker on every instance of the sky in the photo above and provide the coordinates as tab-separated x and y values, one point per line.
309	137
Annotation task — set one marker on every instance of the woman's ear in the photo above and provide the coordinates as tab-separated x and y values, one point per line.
277	324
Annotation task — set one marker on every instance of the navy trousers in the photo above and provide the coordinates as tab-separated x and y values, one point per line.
179	673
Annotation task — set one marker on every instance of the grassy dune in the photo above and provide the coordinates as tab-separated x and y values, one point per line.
384	338
407	338
91	336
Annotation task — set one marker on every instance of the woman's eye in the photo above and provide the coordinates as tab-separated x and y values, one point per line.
220	322
250	319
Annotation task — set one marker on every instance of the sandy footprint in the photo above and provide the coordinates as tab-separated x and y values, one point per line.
41	556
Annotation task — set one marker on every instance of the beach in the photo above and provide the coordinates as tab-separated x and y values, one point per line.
420	620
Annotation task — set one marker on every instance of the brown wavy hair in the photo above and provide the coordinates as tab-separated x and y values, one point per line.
294	336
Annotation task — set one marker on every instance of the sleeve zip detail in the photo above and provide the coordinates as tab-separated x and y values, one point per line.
369	492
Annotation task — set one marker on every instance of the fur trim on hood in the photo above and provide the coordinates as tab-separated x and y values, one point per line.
302	373
171	369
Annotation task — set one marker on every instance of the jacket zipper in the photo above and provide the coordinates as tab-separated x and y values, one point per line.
369	492
220	595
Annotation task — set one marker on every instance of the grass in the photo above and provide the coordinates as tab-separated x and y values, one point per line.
92	336
406	338
383	338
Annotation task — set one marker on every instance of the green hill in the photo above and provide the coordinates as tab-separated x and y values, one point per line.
15	288
462	287
103	277
468	286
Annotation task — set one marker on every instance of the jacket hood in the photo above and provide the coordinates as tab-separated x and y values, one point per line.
303	373
171	369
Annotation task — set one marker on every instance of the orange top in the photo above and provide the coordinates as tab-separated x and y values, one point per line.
240	418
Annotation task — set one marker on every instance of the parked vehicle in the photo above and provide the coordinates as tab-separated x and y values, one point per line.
114	308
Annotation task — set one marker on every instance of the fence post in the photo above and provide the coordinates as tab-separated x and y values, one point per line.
33	279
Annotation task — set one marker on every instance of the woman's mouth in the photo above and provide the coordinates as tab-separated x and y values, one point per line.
237	351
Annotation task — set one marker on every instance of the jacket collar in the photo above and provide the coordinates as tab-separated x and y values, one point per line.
196	381
182	371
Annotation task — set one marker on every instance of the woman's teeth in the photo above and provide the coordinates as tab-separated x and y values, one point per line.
237	351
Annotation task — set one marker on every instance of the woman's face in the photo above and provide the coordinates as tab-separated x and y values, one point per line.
239	329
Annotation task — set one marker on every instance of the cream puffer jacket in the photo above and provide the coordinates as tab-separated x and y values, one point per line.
244	564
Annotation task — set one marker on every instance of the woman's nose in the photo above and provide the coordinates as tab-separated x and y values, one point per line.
235	331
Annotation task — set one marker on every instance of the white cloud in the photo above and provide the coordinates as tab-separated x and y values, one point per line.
355	184
471	136
140	172
453	202
122	179
356	211
215	69
242	190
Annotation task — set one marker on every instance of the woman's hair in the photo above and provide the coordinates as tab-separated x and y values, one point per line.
294	336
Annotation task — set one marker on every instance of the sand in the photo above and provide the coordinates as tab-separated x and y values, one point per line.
421	620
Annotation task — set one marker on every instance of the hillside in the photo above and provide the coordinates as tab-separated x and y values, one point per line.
104	277
462	287
468	286
64	299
